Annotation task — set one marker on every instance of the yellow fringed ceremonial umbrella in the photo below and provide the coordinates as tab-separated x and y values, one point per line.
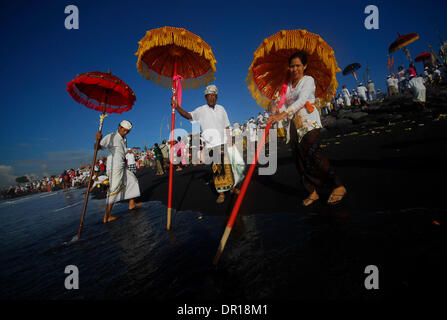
267	81
168	56
269	70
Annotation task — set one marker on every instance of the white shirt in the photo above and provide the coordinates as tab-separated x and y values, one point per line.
252	131
390	82
130	158
100	180
213	122
361	91
117	146
296	97
346	93
370	86
416	83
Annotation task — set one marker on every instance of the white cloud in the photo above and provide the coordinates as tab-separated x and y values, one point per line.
7	176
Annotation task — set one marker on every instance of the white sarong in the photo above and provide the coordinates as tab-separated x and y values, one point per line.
419	95
123	185
237	164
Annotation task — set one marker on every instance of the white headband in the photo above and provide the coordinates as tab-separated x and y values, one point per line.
211	89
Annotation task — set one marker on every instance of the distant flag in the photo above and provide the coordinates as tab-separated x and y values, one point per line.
389	63
433	55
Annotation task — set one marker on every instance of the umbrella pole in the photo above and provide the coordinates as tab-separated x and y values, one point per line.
355	76
101	119
171	151
240	197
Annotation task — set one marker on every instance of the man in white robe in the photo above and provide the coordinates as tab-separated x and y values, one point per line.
371	91
123	184
361	92
346	96
417	87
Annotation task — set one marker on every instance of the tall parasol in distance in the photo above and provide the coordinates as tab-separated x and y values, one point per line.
267	80
102	92
351	69
402	42
425	58
169	56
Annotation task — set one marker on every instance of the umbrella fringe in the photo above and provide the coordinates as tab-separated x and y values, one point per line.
174	36
166	82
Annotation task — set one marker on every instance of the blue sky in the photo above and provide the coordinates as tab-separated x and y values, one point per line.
45	131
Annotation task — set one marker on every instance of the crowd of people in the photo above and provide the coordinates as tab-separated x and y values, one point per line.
68	178
187	149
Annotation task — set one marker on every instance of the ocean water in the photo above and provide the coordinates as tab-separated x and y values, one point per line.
276	256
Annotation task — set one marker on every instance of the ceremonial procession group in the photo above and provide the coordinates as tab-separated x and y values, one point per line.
296	95
405	81
69	178
217	143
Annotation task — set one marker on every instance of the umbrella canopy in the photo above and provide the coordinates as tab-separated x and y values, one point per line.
351	68
270	67
423	56
96	89
402	41
160	48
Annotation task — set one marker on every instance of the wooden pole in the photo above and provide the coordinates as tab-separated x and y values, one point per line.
171	151
102	116
240	197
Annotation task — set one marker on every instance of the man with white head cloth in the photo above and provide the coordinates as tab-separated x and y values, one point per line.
215	127
361	92
123	184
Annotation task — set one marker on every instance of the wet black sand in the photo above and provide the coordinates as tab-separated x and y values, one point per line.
278	253
392	216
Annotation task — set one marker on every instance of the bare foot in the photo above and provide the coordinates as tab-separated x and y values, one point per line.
111	218
136	205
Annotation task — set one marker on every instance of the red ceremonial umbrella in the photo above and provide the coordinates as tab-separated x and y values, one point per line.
425	58
401	42
103	92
